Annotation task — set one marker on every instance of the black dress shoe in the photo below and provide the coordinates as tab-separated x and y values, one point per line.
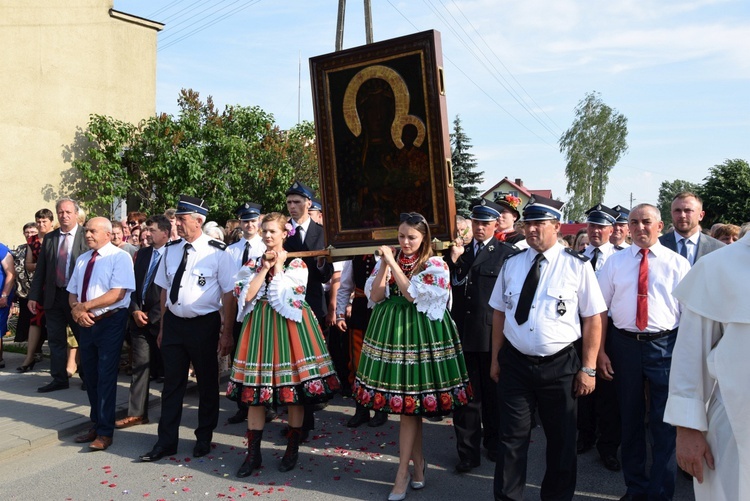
634	497
465	466
53	386
157	453
611	462
584	445
239	417
202	447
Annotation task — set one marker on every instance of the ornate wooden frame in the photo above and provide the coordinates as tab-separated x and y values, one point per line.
382	136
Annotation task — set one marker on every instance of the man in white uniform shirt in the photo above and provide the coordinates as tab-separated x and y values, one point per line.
620	230
545	299
637	284
250	246
598	414
100	288
195	274
708	399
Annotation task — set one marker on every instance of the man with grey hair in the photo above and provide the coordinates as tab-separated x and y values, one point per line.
60	249
197	277
637	285
99	296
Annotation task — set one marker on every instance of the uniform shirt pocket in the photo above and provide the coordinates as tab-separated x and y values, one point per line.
560	301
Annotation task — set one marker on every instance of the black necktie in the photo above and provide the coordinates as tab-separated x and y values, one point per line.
528	290
480	246
246	254
595	258
174	293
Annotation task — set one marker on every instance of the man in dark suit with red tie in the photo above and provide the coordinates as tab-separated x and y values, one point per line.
474	270
145	312
308	236
60	249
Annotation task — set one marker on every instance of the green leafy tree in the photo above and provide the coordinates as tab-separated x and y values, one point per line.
225	157
592	146
466	178
726	193
667	192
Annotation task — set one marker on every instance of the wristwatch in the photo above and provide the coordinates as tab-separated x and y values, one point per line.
589	371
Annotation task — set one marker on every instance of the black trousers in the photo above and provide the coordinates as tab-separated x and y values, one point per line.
187	340
58	318
524	386
143	344
599	415
480	414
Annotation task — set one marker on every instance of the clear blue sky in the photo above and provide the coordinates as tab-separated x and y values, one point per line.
679	70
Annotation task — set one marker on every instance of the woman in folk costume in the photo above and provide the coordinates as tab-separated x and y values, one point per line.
281	356
411	362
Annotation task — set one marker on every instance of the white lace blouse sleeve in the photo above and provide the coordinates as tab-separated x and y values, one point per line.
241	282
430	288
286	292
371	280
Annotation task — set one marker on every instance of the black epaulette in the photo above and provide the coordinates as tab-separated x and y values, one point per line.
517	250
173	242
577	254
217	244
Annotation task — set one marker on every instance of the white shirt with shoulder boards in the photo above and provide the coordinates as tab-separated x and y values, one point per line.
606	250
208	275
618	280
567	283
237	250
113	269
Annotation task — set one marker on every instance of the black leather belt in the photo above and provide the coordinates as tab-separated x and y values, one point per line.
645	336
534	359
106	314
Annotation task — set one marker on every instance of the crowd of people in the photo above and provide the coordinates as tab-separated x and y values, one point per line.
608	339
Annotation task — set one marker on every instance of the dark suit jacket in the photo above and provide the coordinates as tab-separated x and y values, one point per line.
706	244
151	302
43	287
314	240
473	278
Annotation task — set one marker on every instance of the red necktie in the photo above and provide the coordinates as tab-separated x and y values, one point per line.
87	275
62	262
641	315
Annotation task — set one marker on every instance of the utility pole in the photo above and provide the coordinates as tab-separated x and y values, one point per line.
340	26
631	200
340	23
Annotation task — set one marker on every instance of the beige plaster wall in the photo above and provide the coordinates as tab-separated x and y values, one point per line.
61	61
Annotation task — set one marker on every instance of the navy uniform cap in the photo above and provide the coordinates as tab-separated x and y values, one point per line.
622	214
301	189
484	210
191	205
248	211
541	208
601	215
315	205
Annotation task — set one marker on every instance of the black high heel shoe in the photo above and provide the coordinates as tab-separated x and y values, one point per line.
26	368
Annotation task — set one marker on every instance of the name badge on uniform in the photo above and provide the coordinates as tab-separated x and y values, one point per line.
201	280
561	309
508	302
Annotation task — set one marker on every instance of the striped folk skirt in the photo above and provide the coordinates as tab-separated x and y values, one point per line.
281	361
411	365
